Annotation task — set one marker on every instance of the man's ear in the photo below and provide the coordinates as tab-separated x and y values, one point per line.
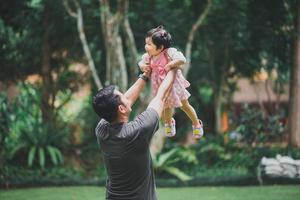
122	108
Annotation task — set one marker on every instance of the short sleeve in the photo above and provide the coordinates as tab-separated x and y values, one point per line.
101	130
146	124
176	55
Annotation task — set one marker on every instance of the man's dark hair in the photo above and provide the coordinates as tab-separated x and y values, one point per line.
160	37
106	102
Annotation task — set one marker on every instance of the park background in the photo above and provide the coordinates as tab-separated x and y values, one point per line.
243	63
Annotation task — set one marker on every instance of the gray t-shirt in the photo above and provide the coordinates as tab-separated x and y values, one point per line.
125	148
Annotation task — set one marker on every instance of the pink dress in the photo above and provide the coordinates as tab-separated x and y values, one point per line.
178	89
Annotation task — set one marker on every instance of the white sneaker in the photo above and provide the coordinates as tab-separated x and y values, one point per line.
198	131
170	129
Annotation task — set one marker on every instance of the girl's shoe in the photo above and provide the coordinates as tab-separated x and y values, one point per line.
170	129
198	131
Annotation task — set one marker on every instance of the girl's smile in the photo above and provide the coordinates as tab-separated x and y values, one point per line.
151	48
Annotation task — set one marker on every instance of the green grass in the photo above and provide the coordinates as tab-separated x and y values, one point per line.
189	193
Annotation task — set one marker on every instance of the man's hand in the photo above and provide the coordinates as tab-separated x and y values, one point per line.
145	67
147	72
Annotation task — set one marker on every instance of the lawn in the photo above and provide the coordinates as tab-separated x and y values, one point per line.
190	193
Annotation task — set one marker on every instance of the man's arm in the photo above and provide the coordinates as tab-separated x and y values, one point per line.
157	103
134	91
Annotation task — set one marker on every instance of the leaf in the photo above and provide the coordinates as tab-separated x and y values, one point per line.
178	173
42	157
52	154
15	149
31	155
59	155
35	4
165	156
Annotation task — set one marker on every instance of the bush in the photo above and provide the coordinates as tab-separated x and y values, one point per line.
255	127
25	134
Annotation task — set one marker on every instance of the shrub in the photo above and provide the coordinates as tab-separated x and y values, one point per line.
25	133
255	127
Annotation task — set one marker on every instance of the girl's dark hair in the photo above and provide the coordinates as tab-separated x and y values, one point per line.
160	37
106	102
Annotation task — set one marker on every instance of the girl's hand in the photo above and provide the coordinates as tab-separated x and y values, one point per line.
145	68
174	64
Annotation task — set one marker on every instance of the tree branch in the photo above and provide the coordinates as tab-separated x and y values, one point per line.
69	9
131	47
191	37
86	49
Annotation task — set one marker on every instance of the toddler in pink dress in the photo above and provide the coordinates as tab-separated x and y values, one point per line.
161	58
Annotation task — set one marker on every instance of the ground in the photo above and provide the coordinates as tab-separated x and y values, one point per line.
190	193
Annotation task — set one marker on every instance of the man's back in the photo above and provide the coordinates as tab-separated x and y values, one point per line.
125	148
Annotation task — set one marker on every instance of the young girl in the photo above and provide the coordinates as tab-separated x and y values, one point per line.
161	58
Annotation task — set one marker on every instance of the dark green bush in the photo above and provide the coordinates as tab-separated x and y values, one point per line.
25	135
257	127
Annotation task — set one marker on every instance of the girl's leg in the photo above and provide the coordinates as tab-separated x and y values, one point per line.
170	128
190	112
167	115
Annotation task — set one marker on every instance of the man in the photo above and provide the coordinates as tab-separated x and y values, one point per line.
124	143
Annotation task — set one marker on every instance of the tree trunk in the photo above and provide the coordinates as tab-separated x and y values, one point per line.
47	112
294	102
218	108
219	76
115	62
133	54
189	43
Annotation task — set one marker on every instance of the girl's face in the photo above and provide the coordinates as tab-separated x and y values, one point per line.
151	48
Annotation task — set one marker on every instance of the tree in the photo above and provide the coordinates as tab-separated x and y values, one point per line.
294	104
189	43
110	24
80	27
35	46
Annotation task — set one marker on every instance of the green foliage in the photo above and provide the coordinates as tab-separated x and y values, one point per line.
211	151
257	127
5	111
22	34
170	161
25	133
11	172
217	158
206	93
35	3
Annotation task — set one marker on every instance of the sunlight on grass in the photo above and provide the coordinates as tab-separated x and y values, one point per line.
190	193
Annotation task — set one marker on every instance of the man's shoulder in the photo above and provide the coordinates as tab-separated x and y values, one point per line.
101	127
150	113
147	118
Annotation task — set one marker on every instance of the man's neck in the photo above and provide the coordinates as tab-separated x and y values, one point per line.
121	119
